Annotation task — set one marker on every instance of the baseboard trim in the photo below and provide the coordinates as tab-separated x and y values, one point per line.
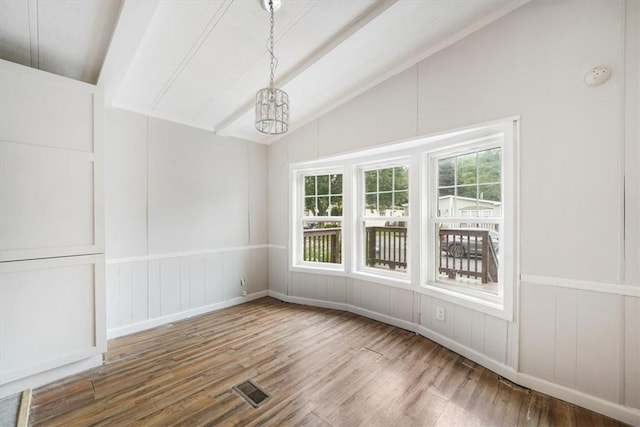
159	321
309	301
493	365
605	407
51	375
610	409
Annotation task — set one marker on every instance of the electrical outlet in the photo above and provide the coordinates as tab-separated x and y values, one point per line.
440	314
244	293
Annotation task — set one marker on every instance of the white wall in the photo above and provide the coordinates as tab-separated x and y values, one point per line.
185	221
52	305
579	300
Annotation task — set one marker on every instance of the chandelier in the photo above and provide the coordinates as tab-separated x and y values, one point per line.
272	104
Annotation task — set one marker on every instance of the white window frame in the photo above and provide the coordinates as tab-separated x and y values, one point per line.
500	305
298	213
361	218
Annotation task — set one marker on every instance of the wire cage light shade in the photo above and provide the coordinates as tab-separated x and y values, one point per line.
272	104
272	111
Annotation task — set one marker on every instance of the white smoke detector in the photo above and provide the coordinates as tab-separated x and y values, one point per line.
597	75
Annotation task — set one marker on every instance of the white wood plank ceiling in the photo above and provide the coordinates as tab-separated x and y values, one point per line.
69	38
200	62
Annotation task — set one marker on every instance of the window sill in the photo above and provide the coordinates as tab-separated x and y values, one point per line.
487	305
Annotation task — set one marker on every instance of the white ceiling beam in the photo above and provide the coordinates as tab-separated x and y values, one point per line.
133	21
349	30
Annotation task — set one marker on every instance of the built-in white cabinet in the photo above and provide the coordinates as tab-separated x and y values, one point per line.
52	304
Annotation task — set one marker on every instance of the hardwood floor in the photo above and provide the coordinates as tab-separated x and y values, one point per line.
322	368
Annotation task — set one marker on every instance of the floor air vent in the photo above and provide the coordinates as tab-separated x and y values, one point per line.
252	393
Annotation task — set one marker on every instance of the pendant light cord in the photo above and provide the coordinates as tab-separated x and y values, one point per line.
274	60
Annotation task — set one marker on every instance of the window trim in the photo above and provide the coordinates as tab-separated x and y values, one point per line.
500	305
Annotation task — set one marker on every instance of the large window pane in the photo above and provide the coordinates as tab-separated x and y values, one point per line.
387	191
469	254
385	245
322	241
476	189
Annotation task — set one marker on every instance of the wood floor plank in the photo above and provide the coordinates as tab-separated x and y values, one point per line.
322	368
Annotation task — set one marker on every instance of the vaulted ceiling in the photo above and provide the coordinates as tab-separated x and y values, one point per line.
200	62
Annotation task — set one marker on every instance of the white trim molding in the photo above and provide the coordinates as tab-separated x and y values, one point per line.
583	285
186	254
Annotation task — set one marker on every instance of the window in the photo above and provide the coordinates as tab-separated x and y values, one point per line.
470	221
384	216
468	218
321	219
435	215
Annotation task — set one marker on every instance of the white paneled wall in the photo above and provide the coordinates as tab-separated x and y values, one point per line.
142	293
52	305
587	339
186	221
576	327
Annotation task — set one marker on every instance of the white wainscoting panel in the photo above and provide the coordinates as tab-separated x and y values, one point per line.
478	331
566	326
48	314
140	291
538	330
463	325
573	337
495	338
632	352
599	343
